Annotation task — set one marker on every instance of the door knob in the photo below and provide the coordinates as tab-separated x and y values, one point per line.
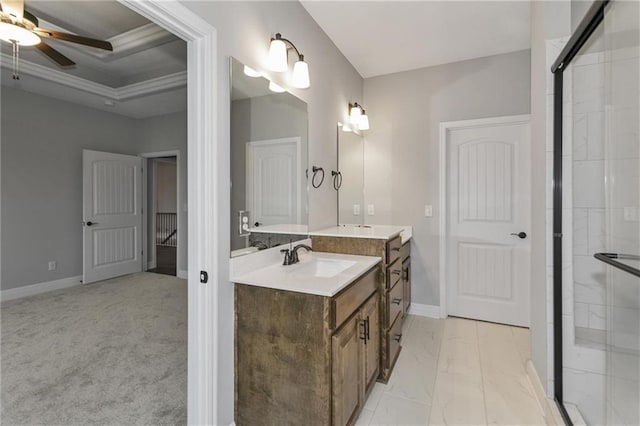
90	223
257	224
521	235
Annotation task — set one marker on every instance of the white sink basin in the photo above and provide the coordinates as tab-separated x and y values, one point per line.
323	267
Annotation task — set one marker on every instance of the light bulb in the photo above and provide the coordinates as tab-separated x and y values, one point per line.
22	36
275	88
355	113
363	121
300	78
277	59
250	72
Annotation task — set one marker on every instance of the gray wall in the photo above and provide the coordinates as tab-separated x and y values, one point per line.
401	150
42	142
261	118
243	31
166	193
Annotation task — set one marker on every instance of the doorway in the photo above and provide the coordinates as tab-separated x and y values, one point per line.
486	217
162	217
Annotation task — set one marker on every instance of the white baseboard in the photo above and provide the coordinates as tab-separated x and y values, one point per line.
430	311
30	290
549	409
183	274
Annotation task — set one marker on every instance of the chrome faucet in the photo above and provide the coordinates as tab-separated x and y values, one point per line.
291	255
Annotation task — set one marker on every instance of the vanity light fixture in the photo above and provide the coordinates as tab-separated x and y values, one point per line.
278	61
275	88
358	117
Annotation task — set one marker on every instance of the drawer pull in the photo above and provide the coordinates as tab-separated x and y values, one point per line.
367	329
395	248
405	275
396	272
363	336
396	300
397	337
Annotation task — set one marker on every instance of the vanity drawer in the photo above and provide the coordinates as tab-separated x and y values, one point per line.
405	251
394	339
394	273
350	299
395	302
393	249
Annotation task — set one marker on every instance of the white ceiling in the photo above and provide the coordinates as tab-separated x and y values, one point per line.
145	74
384	37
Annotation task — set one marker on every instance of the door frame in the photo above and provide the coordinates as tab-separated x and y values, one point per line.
151	214
445	129
204	201
249	188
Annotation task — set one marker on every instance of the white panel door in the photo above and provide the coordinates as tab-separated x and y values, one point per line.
489	199
273	181
112	215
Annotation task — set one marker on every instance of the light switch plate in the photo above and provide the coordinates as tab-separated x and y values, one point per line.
356	209
428	210
371	210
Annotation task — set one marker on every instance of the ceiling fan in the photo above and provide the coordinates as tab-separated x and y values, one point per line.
20	28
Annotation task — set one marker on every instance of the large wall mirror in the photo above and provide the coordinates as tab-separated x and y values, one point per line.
269	151
351	167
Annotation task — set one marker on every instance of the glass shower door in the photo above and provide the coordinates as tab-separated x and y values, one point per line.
622	211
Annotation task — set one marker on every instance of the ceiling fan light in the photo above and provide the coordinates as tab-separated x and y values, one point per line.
275	88
363	121
277	59
14	33
300	78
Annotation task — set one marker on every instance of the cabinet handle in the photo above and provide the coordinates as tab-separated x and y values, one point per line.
396	300
395	248
396	272
397	337
368	329
363	336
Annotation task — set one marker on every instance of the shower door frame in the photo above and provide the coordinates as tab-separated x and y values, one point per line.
591	21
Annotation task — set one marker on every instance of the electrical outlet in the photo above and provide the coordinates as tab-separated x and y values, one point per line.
371	210
428	210
243	222
356	209
53	265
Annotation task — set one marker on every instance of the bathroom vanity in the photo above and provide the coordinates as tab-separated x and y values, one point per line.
307	340
392	244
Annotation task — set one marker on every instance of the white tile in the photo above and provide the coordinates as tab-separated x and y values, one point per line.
580	231
510	400
625	290
581	314
595	138
587	391
588	88
597	317
579	357
623	133
365	418
413	377
597	235
625	395
424	336
580	137
589	276
498	351
459	348
458	400
625	328
374	396
393	410
623	174
588	190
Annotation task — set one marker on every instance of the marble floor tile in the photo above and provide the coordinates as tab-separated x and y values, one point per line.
413	377
374	396
365	418
498	350
510	400
394	410
523	342
458	400
424	336
459	351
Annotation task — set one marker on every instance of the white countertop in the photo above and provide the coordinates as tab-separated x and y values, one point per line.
282	229
322	274
379	232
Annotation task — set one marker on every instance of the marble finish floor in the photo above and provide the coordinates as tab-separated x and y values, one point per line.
457	372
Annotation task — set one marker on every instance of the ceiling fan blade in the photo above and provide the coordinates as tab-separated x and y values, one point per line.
74	38
52	53
14	8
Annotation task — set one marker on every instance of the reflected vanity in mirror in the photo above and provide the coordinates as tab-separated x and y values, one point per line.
269	150
351	168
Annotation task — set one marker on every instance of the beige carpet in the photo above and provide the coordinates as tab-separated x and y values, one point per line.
113	352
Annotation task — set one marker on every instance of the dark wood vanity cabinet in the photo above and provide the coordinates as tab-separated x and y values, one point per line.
303	359
394	292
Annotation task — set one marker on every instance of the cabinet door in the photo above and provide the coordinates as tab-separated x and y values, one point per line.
371	316
347	364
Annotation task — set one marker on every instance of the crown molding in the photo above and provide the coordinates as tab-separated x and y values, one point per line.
123	93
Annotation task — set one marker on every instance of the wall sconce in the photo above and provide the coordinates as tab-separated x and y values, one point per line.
278	61
358	116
